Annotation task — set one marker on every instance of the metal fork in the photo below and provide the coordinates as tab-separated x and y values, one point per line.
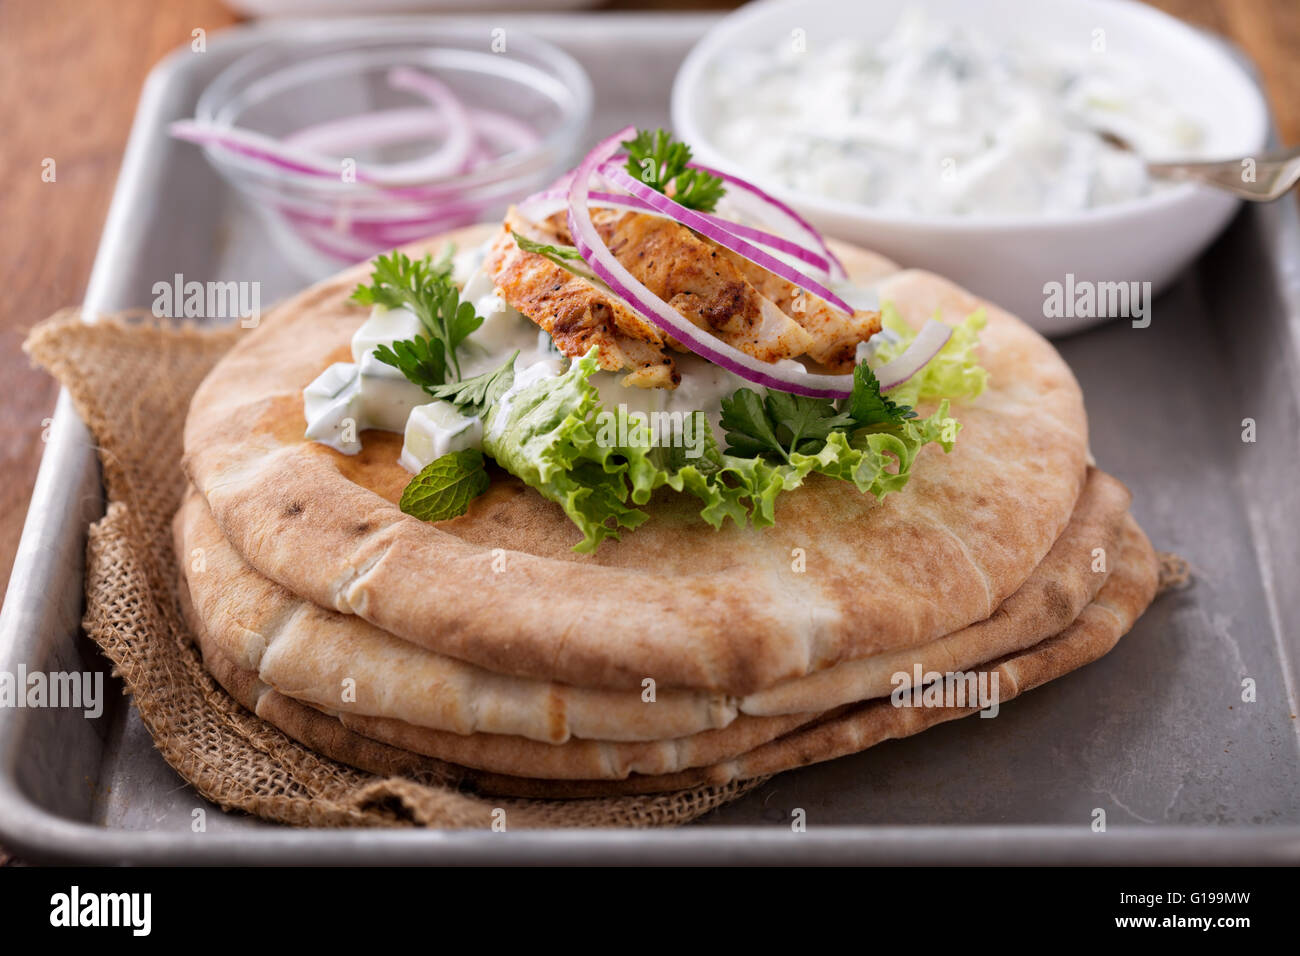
1260	178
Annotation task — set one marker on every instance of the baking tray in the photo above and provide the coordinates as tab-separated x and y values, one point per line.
1155	733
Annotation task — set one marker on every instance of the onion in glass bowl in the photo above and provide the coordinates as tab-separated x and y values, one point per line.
350	139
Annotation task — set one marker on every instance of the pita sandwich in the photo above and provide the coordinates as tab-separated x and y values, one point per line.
941	554
644	488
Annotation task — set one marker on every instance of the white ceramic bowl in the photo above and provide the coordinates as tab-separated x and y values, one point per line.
1009	259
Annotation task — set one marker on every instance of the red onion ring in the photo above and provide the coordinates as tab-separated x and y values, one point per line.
399	125
800	224
606	266
655	310
934	335
453	155
541	205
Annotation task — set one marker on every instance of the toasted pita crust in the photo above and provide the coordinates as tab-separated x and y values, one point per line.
306	652
675	601
518	756
1127	593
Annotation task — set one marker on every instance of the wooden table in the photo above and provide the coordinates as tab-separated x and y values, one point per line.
74	69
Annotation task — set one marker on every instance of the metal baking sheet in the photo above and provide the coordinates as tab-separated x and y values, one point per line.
1156	733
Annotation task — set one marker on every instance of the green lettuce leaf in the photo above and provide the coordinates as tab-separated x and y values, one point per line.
548	435
953	373
553	435
545	435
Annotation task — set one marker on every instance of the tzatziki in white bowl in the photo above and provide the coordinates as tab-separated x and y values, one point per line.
977	139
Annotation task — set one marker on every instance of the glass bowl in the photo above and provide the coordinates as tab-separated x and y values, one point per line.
297	88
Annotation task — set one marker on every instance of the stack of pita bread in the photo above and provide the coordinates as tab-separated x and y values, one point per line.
677	656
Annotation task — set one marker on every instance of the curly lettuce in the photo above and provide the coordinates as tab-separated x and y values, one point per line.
547	434
953	373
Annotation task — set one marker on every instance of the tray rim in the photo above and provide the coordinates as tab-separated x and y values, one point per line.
69	465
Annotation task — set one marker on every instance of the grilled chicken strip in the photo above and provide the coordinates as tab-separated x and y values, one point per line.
578	314
698	282
834	335
742	304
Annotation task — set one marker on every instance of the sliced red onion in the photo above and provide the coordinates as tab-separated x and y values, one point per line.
691	218
504	129
260	147
464	176
933	336
393	231
774	207
471	136
340	136
452	156
449	159
604	264
385	127
777	243
542	205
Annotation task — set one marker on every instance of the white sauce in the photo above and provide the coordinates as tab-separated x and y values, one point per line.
938	119
350	397
702	388
384	327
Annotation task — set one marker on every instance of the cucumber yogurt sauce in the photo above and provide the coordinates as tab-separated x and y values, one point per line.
940	120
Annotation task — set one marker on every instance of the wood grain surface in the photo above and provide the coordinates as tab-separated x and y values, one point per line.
72	74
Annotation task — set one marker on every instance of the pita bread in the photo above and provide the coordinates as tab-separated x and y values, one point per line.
1127	593
675	601
575	759
1053	596
307	652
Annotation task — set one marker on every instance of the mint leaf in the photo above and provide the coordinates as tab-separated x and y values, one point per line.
446	486
473	396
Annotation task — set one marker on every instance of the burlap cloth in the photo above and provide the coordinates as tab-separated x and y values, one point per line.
131	381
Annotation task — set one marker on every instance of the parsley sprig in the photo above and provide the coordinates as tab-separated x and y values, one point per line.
419	359
657	160
472	396
779	424
425	287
